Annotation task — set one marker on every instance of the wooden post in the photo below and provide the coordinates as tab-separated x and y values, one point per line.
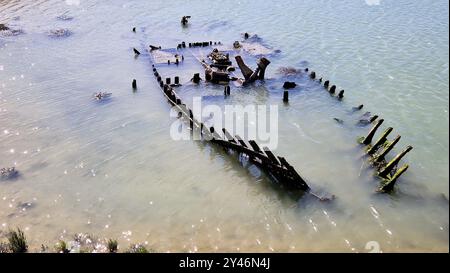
262	64
255	146
359	107
177	80
390	166
332	89
383	154
388	185
136	51
246	71
312	75
196	78
380	141
242	142
167	80
228	135
326	84
191	119
368	139
286	96
134	29
341	94
270	155
134	84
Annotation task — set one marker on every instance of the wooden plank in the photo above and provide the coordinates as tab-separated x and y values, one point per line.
270	155
241	141
255	146
228	135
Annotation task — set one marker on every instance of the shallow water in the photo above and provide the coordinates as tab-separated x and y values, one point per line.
110	168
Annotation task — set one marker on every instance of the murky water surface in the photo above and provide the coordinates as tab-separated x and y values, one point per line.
110	168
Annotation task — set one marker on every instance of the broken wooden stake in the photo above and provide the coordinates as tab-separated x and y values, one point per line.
368	139
389	184
332	89
393	163
380	141
358	107
270	155
255	146
229	137
286	96
136	51
196	78
246	71
227	90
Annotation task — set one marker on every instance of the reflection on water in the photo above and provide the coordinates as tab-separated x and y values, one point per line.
109	167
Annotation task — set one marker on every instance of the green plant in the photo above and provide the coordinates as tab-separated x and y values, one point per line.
17	241
112	246
61	247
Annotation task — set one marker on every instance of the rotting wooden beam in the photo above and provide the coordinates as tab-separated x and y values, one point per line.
393	163
270	155
228	135
381	157
380	141
241	141
368	139
255	146
388	184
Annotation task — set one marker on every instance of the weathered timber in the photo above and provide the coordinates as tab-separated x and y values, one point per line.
228	135
381	156
393	163
241	141
246	71
255	146
286	96
332	89
359	107
289	85
380	141
368	139
270	155
388	184
196	78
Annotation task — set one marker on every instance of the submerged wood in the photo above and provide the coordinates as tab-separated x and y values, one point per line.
393	163
388	184
368	139
381	157
380	141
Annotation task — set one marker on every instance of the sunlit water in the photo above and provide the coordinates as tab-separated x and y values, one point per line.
111	169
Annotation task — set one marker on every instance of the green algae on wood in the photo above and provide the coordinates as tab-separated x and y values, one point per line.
368	139
393	163
388	184
380	141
